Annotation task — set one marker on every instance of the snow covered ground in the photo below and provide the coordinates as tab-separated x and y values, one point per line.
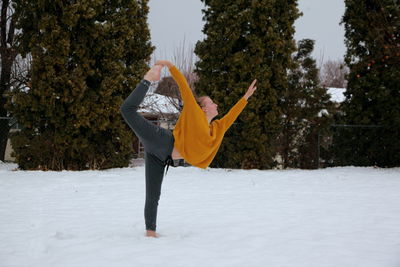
346	217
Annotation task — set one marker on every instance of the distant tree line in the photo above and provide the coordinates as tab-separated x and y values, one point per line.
67	66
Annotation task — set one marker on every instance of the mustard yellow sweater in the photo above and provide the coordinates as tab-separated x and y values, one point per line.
195	139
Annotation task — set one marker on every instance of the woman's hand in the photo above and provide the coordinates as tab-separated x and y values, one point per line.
251	90
164	63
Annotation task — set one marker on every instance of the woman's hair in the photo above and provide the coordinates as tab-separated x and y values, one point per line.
199	100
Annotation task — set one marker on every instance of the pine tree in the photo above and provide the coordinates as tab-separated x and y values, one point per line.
373	56
247	40
307	111
87	56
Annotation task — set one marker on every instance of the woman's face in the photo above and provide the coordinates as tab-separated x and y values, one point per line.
209	107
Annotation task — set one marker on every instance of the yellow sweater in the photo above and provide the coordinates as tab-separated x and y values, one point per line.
196	140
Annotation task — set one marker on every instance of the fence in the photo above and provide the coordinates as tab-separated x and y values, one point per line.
316	146
358	145
341	145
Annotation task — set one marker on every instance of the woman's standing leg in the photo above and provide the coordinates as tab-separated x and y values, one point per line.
154	178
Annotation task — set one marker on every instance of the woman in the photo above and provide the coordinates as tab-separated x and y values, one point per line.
195	138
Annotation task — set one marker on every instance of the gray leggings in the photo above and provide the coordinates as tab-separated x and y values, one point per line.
158	145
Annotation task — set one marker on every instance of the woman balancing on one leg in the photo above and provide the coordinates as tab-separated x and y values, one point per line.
195	138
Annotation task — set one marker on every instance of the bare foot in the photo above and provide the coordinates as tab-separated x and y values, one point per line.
154	74
150	233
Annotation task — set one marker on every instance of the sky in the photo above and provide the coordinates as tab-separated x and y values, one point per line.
175	22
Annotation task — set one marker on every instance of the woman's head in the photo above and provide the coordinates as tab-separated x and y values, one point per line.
208	106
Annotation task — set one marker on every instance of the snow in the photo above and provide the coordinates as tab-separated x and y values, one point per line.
156	104
323	112
337	94
331	217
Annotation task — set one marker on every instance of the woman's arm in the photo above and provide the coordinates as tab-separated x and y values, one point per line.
235	111
251	90
184	88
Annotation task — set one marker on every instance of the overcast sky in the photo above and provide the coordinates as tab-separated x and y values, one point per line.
173	21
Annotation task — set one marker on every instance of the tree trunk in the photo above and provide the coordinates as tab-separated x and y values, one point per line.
7	54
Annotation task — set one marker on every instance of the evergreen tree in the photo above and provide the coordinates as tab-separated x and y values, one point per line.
373	56
247	39
307	111
87	56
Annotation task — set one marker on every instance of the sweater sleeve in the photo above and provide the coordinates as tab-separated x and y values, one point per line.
186	92
233	113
